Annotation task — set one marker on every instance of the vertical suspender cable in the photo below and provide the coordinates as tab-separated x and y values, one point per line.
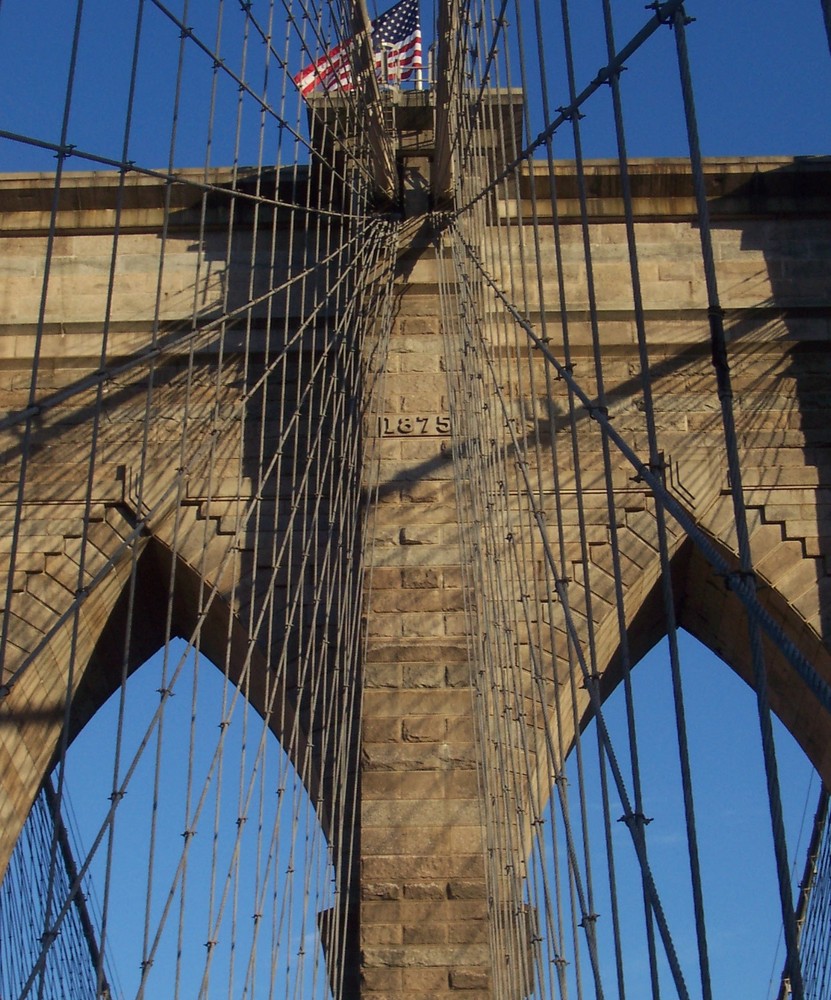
722	371
655	463
826	16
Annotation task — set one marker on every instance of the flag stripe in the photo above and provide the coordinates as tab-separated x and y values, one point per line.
396	31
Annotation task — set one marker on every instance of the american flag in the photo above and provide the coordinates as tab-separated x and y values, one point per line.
396	32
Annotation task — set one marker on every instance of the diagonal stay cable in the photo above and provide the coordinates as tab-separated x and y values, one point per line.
152	514
245	88
744	590
68	149
635	829
659	18
192	338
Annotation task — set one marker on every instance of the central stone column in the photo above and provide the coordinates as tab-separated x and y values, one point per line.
424	930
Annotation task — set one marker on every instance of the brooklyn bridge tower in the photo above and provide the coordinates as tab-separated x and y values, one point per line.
388	483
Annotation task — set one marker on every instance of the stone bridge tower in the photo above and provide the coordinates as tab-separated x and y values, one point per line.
424	914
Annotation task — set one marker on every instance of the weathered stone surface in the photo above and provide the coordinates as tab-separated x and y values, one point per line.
424	908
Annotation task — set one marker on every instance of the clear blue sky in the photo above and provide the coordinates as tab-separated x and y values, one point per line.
762	74
734	826
733	822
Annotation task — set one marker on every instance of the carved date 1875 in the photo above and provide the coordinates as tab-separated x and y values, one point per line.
414	425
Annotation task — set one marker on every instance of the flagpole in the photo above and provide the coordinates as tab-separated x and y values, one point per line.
383	168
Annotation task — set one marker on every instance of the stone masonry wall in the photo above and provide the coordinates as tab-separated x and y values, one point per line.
424	906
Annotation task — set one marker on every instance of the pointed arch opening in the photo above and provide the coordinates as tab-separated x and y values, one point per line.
204	868
744	926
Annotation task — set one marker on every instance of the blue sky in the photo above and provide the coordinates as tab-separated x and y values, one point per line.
278	803
733	822
734	827
761	70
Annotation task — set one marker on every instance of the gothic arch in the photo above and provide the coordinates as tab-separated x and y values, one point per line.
33	712
707	609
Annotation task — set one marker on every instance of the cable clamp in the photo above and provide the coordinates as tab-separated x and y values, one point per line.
589	918
564	368
570	114
607	73
741	575
596	411
635	819
657	468
660	12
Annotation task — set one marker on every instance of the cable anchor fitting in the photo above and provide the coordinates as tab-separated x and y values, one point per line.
740	576
635	819
661	14
570	114
656	468
608	73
